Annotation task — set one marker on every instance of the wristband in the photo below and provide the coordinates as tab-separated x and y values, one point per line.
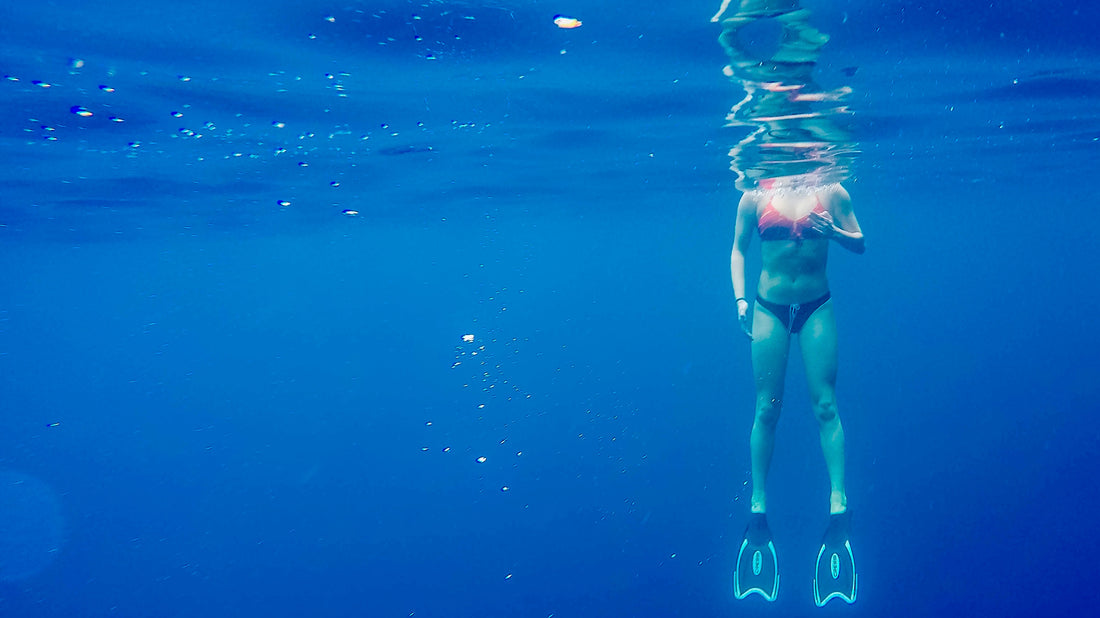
741	298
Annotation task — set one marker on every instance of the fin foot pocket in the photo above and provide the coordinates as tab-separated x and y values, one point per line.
835	575
757	569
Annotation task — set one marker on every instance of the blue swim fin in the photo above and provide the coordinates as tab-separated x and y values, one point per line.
757	566
835	576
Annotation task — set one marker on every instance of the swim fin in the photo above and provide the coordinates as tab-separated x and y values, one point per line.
757	566
836	566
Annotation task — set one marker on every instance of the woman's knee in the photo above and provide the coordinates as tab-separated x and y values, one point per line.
767	410
825	409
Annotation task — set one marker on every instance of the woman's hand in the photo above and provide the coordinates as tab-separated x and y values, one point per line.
822	222
743	317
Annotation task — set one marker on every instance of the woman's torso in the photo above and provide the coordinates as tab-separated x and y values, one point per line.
793	254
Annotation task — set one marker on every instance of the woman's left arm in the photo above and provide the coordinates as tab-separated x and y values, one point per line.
840	222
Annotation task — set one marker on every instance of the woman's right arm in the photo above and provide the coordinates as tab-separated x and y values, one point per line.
742	238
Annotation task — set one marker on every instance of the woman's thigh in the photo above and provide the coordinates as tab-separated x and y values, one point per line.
770	343
819	352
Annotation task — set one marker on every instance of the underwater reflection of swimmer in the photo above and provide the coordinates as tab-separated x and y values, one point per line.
782	103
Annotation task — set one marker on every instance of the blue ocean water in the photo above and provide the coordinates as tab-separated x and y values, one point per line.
224	394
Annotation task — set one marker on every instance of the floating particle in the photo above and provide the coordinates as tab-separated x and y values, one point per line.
446	449
41	84
134	144
351	213
468	338
54	424
505	488
106	88
76	63
330	19
278	125
567	23
184	78
11	78
283	203
424	449
508	576
334	183
80	111
428	423
116	119
303	164
177	114
481	459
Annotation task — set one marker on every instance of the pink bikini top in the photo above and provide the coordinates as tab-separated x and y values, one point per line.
774	226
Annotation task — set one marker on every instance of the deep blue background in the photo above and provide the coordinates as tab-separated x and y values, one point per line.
231	399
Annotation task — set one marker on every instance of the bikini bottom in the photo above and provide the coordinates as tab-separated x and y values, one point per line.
793	316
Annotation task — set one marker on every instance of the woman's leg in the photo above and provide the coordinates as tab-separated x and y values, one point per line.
819	353
770	342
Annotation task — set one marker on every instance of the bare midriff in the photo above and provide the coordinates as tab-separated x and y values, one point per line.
793	271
